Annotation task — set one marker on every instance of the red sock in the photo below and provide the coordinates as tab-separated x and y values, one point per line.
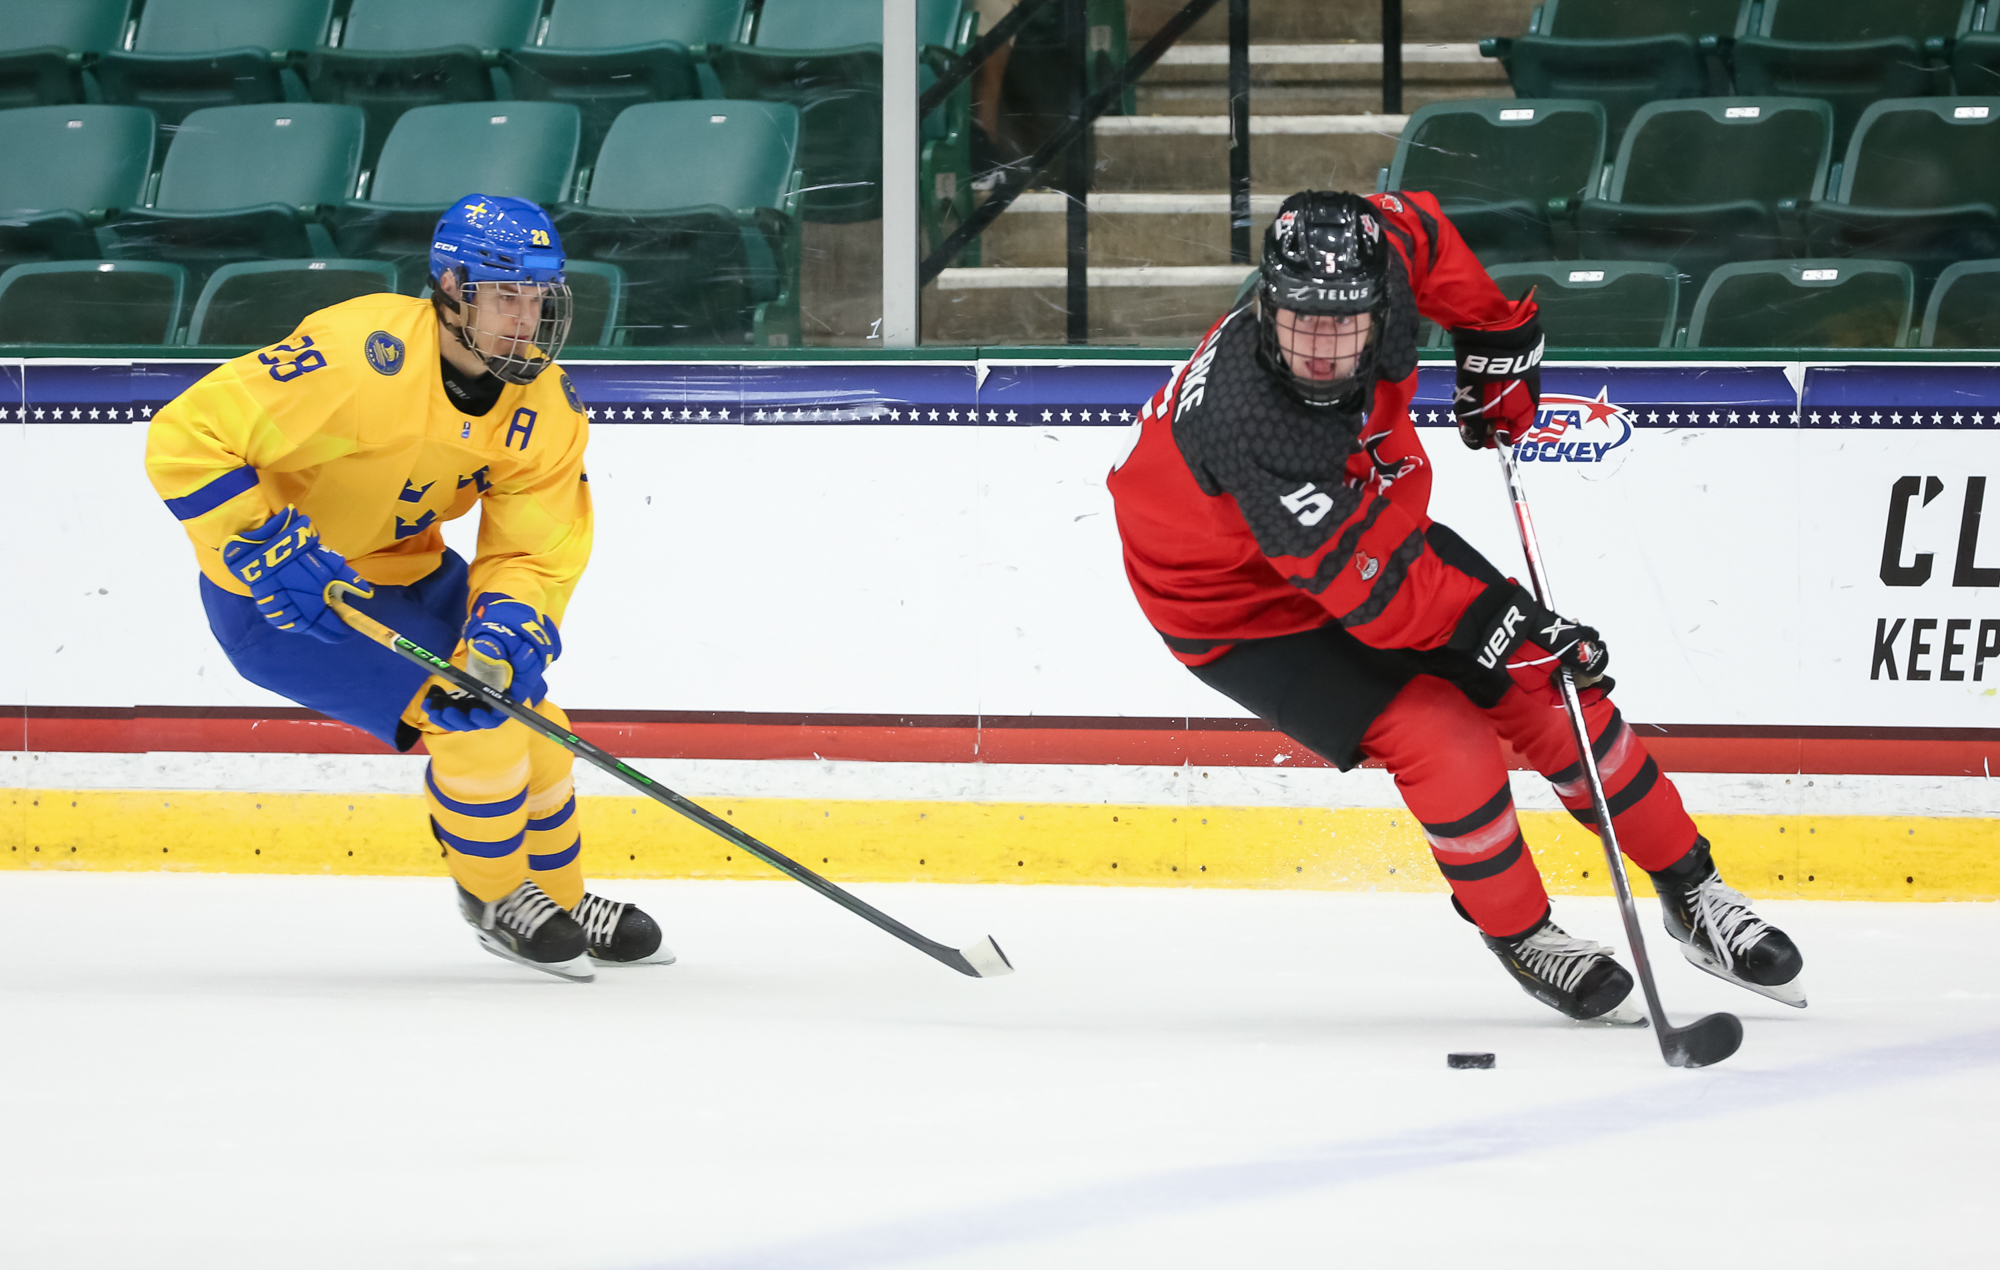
1653	827
1447	763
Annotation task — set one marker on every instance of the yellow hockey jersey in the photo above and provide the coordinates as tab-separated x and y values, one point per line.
348	420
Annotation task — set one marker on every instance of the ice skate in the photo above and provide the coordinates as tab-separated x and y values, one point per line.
1573	975
621	934
530	928
1718	932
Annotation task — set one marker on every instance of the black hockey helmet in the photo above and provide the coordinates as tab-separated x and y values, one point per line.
1324	254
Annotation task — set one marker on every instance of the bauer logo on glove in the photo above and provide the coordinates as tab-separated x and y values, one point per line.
1499	381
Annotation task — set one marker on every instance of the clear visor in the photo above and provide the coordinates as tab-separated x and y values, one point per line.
519	328
1323	348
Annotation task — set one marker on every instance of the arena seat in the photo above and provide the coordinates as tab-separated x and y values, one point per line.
394	54
1698	182
1975	54
1619	53
436	155
191	54
1805	304
91	302
1921	184
61	169
825	58
1964	309
1495	165
244	183
1848	53
1599	303
260	302
44	43
604	55
597	301
698	203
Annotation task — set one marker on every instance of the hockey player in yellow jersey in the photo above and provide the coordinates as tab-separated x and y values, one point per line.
338	454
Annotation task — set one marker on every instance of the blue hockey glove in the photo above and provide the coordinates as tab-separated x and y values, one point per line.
510	645
287	570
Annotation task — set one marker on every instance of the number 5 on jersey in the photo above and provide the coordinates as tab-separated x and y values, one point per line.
1307	504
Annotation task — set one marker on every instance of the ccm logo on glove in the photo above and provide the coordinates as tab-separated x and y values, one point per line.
509	646
287	570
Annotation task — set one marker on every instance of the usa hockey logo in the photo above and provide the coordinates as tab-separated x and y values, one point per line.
1573	429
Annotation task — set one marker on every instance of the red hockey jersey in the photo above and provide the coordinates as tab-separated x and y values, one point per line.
1246	515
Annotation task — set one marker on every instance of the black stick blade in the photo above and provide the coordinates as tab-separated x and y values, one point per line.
982	960
1702	1043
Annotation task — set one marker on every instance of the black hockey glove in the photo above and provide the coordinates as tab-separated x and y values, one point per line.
1507	631
1499	383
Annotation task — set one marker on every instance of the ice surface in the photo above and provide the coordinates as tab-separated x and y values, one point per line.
326	1072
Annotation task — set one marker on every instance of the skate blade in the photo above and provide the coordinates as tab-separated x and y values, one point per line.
575	970
661	956
1792	994
1624	1014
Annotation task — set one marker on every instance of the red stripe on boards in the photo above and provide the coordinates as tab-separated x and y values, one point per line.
965	739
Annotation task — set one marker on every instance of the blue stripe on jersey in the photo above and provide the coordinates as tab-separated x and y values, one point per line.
484	810
468	846
214	494
555	820
543	863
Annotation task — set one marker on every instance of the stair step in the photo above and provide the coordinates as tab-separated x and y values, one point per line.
1169	306
1177	153
1126	230
1351	53
1308	20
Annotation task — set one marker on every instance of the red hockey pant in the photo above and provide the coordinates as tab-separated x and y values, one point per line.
1446	757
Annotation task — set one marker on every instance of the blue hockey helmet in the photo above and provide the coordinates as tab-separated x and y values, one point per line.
485	239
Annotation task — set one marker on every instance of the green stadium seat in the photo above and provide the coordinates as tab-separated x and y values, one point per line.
604	55
825	58
1698	182
1805	304
1848	53
1619	53
698	203
61	169
1964	310
1497	163
259	302
87	302
192	54
394	54
1975	54
437	155
1599	303
1921	184
44	45
244	183
597	302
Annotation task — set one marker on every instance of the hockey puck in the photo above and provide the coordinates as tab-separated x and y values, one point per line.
1469	1060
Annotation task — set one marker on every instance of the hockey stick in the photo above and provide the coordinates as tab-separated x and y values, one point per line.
1708	1039
982	960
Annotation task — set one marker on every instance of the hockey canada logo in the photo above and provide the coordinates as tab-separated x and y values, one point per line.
1573	429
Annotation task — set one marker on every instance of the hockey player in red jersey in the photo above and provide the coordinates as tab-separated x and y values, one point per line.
1276	526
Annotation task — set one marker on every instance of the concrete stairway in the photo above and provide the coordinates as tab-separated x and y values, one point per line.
1159	224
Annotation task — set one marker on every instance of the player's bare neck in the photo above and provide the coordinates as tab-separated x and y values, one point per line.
472	390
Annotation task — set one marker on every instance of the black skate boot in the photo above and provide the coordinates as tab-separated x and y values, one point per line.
621	934
1574	975
1718	932
530	928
